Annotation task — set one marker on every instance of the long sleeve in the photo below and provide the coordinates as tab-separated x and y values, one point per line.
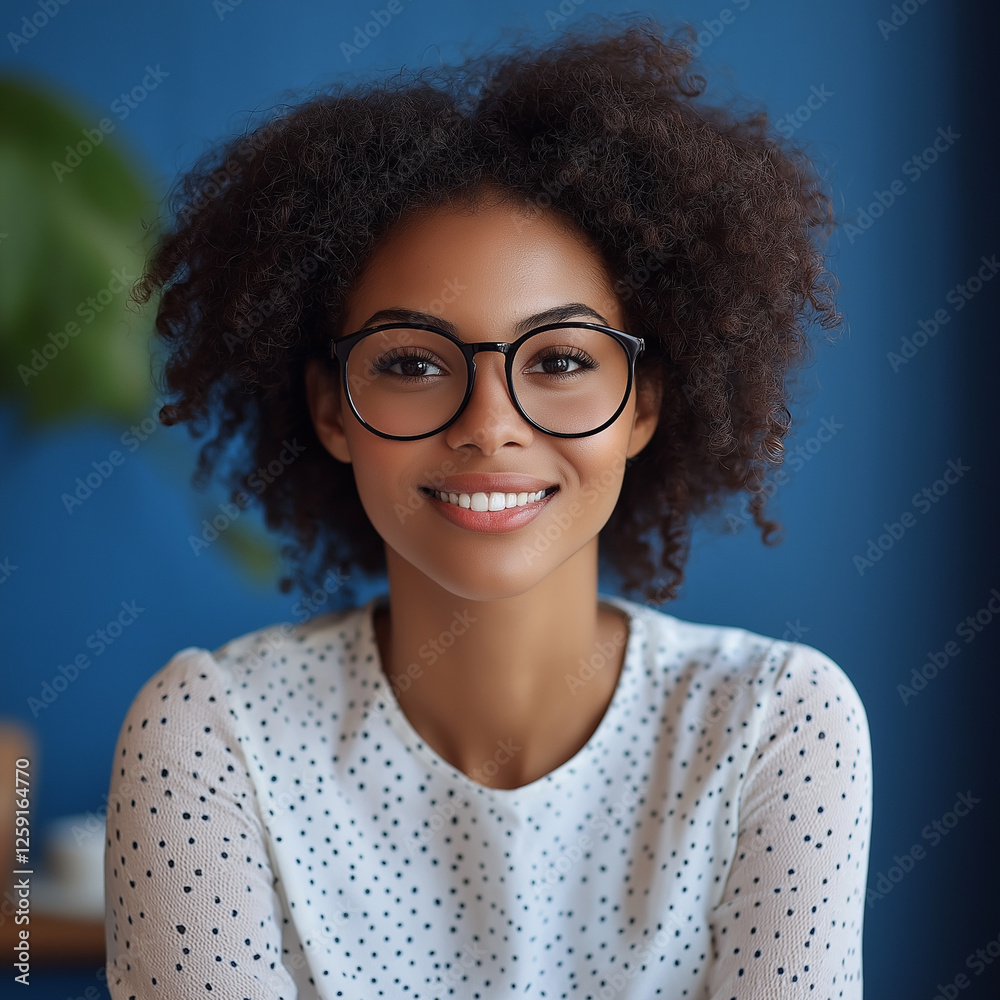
191	905
790	921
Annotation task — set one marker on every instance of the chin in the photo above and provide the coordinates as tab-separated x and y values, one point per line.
481	586
482	578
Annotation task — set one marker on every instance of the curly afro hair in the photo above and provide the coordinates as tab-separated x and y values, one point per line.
708	224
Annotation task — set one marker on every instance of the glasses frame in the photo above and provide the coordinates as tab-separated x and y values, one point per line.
341	348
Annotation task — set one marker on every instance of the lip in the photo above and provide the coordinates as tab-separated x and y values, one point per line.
491	521
493	483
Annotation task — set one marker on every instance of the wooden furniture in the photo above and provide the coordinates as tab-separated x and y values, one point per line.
54	940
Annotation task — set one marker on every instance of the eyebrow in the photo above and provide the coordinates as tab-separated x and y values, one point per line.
557	314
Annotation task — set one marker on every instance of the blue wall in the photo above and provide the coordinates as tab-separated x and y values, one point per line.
874	432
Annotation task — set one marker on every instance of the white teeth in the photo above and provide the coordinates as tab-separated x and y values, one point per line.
489	501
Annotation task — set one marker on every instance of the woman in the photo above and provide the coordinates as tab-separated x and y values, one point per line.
473	335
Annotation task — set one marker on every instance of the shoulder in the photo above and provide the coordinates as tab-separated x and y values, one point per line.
241	658
201	681
677	644
785	714
190	676
814	714
808	676
732	674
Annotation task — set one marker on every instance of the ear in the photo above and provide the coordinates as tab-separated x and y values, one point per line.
648	397
326	408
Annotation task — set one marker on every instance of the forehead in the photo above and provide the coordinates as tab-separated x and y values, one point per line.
495	261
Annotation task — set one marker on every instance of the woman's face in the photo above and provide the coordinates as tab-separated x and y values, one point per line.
483	272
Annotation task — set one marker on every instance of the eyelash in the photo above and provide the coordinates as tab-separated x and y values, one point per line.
583	359
394	357
574	354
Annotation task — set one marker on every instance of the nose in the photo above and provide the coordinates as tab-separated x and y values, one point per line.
490	419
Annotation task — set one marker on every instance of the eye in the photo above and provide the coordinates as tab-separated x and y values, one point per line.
411	364
563	361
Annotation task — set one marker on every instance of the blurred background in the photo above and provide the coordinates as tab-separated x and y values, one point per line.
888	562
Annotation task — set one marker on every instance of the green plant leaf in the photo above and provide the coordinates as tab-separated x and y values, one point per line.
74	241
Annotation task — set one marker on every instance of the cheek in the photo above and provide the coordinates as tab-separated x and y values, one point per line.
601	480
387	474
373	464
601	462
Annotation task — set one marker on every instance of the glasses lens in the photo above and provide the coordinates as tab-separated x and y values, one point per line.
571	380
407	382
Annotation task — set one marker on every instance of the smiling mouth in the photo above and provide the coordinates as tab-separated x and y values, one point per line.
489	501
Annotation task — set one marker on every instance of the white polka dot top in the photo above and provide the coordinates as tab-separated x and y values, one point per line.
277	828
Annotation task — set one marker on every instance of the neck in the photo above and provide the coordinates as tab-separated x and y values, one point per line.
505	690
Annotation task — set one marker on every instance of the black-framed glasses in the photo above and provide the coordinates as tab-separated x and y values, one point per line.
407	381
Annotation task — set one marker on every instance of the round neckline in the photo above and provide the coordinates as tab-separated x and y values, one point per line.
388	703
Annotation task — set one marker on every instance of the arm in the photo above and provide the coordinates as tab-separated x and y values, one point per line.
190	901
790	920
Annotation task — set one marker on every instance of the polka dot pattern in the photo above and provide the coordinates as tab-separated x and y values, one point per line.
278	829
